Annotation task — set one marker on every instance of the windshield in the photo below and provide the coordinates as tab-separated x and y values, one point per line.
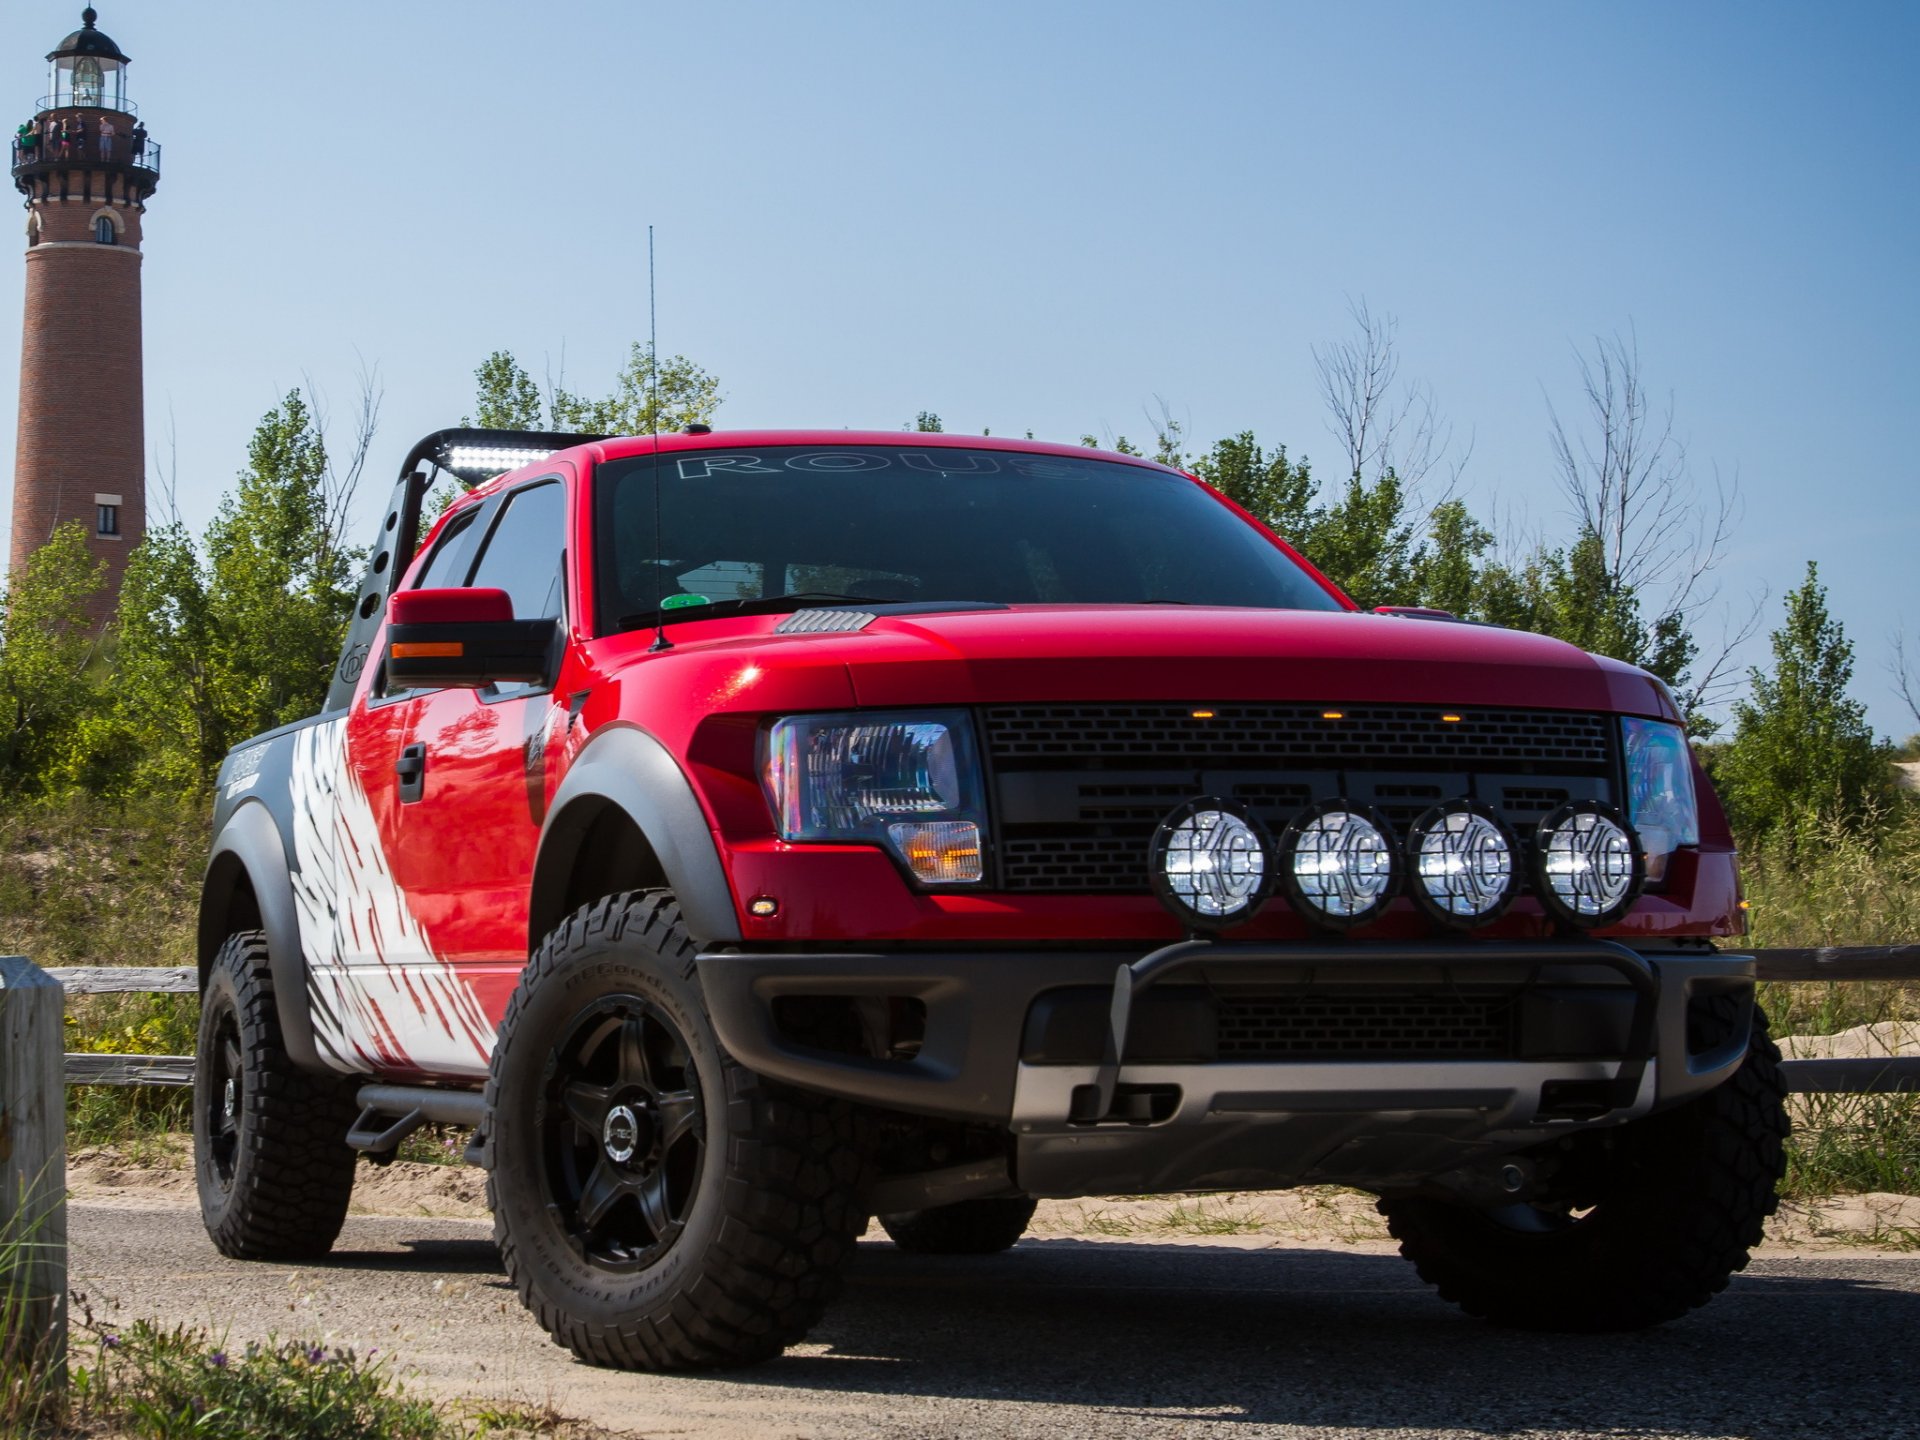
780	528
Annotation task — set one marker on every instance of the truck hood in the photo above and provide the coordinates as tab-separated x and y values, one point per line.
1180	653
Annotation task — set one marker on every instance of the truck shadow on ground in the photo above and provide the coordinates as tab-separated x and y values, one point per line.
1342	1339
1221	1337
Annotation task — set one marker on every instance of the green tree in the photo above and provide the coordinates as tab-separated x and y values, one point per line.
1801	746
172	729
927	423
280	584
685	395
505	397
1276	491
47	651
1450	571
1366	545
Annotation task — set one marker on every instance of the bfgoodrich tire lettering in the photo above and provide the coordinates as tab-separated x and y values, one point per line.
1656	1216
269	1139
726	1266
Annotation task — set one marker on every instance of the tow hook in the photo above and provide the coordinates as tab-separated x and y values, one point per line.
1502	1182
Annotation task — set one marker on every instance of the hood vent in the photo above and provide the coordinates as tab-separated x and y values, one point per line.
824	622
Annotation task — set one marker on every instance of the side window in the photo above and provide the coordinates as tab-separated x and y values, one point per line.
523	555
526	557
446	567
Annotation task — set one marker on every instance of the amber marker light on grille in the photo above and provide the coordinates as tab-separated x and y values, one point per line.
1451	719
1333	714
428	650
1203	714
940	852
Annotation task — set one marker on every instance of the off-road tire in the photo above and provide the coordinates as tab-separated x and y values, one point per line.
966	1227
279	1185
777	1207
1682	1199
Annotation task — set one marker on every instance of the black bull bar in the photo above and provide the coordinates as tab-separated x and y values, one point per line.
1095	1102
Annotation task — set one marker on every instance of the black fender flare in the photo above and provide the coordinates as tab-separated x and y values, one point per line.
625	767
249	850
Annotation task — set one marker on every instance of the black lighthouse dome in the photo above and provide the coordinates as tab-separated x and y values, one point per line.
88	41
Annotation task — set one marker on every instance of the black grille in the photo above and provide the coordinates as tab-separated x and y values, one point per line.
1081	788
1318	1025
1113	864
1372	735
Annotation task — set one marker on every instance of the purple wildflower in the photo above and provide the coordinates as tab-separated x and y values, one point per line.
112	1342
316	1355
219	1360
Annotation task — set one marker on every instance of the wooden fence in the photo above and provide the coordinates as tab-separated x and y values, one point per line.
33	1170
1875	1074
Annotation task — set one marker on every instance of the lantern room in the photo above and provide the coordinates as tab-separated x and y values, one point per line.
89	71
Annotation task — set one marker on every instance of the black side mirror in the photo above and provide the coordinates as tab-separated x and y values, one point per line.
457	639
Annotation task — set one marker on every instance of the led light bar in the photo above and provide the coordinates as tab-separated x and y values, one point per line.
1463	864
475	463
1338	864
1590	862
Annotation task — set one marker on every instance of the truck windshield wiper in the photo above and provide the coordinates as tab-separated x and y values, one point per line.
758	605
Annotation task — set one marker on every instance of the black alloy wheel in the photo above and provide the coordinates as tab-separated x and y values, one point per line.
657	1207
225	1098
625	1133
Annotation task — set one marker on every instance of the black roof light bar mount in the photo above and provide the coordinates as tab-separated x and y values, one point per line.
472	456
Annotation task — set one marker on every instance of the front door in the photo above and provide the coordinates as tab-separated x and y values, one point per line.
471	823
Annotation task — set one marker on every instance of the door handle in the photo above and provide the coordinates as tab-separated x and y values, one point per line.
411	767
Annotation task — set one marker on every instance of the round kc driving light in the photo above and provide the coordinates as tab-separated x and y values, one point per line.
1591	868
1338	864
1463	864
1211	864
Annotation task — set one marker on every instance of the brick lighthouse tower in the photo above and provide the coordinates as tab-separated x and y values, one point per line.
86	167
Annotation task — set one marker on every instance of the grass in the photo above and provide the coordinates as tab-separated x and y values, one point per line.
93	882
146	1381
159	1383
29	1395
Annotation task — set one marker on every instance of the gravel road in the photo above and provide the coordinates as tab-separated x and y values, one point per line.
1071	1337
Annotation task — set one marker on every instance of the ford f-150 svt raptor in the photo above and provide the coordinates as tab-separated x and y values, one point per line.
745	834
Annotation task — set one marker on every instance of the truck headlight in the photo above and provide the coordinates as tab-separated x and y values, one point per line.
907	780
1660	799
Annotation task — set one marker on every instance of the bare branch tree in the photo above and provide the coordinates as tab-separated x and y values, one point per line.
1715	676
345	464
1381	424
1625	475
167	475
1905	670
1169	434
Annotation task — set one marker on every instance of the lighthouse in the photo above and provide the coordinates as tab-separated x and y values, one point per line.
86	165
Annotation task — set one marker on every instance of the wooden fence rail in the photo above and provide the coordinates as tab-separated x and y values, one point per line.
1868	1075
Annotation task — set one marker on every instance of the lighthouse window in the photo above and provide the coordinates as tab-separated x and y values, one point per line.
107	519
104	233
86	81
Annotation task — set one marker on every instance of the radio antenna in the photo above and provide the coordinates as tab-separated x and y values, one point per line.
660	641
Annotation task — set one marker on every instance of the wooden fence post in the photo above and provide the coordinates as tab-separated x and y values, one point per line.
33	1167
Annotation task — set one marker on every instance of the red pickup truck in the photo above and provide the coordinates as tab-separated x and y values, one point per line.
743	835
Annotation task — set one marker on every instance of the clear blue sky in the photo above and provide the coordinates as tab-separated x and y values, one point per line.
1045	215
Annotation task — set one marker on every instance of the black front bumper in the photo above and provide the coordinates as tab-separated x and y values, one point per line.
1091	1031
